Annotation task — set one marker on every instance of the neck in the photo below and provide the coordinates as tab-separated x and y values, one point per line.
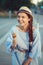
25	28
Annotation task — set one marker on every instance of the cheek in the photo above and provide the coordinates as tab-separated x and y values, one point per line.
26	21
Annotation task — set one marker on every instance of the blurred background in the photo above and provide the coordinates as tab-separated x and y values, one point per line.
8	14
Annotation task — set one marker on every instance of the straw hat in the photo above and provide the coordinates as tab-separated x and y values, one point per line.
26	10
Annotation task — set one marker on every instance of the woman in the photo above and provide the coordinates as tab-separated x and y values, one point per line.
23	41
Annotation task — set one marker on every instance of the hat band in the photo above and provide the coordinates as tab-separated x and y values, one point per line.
23	11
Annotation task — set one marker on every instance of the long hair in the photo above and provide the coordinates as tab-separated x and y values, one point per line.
30	28
30	32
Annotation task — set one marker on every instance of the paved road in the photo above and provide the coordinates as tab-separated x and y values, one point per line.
5	26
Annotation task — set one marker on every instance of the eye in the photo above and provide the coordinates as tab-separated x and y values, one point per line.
18	16
23	17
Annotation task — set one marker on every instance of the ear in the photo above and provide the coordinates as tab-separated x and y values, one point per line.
29	19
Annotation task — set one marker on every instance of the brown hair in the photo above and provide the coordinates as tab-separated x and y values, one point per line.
30	32
30	28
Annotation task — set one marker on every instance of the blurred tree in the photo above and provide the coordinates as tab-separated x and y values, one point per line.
20	3
14	4
40	3
2	4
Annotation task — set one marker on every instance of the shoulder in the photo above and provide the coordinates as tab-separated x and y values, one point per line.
36	32
35	29
13	29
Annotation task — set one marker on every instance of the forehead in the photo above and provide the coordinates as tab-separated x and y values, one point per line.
22	14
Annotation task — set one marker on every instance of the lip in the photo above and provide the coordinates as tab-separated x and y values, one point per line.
21	24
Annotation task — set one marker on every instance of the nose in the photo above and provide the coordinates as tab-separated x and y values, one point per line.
20	18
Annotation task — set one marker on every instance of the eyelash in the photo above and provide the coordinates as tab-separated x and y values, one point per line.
19	17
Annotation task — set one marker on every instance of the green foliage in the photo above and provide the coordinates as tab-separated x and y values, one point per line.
14	4
40	3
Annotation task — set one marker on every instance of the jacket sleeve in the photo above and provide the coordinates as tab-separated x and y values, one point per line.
9	40
8	43
36	47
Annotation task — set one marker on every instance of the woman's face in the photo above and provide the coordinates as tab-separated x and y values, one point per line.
23	19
